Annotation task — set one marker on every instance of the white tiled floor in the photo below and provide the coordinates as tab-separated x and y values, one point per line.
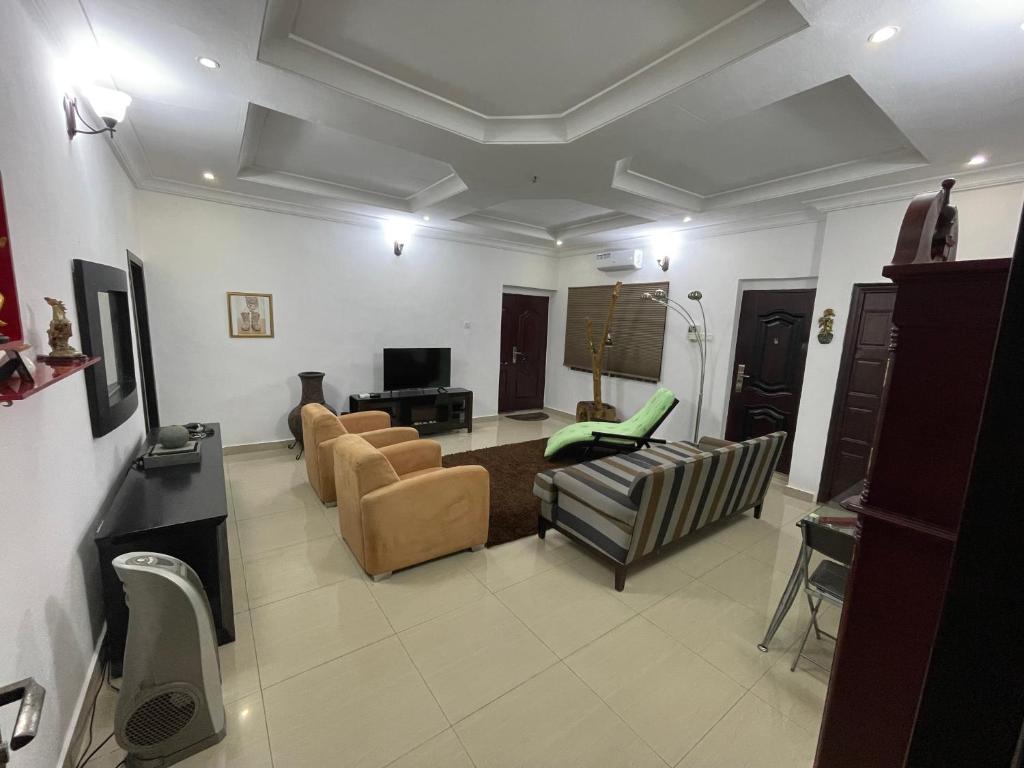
519	655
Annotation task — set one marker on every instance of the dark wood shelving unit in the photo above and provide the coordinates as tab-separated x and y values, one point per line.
15	388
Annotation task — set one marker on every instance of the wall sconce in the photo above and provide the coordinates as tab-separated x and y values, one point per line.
825	322
397	232
663	261
664	244
109	104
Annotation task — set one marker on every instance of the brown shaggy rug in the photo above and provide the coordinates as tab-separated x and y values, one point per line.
512	467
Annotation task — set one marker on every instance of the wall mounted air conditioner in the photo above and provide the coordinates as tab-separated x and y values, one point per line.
613	261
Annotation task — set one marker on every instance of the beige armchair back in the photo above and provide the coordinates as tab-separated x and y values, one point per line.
320	427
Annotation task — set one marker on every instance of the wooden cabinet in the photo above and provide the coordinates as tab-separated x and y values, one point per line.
945	322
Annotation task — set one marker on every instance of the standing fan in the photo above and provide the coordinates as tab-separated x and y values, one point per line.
170	705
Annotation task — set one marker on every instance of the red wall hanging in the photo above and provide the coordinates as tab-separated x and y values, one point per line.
9	312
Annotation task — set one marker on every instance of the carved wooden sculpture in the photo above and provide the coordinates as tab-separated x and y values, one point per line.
58	334
929	229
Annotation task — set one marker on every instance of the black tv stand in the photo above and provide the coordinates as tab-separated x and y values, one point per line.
432	410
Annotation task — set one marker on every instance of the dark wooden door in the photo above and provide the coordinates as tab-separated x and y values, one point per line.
524	345
859	388
771	348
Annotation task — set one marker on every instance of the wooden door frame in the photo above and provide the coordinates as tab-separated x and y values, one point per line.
842	390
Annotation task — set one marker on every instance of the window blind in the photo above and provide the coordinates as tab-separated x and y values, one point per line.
638	330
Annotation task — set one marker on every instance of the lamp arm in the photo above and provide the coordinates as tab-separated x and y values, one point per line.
703	364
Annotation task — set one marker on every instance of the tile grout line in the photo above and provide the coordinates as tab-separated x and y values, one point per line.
255	648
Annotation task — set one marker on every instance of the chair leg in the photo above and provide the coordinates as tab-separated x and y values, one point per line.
814	615
803	643
757	511
477	548
542	526
620	578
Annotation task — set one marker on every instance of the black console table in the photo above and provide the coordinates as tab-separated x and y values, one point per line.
429	410
179	511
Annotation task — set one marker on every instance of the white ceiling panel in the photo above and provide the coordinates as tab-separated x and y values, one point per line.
546	213
302	148
826	126
527	57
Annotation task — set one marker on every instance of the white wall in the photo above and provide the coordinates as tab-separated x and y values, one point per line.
65	200
340	296
715	266
858	243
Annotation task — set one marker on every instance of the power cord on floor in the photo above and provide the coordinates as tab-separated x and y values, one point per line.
86	754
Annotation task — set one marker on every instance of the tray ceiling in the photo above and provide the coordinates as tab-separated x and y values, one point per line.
531	121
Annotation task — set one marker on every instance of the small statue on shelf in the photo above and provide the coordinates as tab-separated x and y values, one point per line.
58	334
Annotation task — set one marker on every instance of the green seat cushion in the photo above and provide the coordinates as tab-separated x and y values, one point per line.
637	425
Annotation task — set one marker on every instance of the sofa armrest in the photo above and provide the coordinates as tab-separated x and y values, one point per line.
710	443
413	455
364	421
381	438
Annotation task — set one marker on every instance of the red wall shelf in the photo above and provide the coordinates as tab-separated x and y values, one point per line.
16	388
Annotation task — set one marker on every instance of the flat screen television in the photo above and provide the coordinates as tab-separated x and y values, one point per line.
417	367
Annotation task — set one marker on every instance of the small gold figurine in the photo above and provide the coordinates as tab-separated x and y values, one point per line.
58	334
825	334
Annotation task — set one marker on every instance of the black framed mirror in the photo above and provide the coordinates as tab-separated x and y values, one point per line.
105	329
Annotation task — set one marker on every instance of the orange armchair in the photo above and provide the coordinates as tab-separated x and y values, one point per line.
320	427
397	506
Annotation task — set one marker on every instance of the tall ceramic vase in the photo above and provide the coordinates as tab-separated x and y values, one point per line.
312	392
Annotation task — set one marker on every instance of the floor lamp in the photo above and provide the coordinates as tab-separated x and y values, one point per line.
660	297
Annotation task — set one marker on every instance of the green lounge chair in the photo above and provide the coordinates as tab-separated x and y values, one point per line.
630	435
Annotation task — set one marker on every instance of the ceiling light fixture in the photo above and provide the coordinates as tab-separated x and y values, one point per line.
109	105
426	218
558	242
883	34
978	160
208	175
209	63
687	219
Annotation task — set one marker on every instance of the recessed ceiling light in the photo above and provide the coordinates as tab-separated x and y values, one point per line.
978	160
209	63
558	242
209	176
426	218
883	34
687	219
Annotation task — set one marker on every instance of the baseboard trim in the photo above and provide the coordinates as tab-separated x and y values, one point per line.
78	730
556	412
798	493
230	450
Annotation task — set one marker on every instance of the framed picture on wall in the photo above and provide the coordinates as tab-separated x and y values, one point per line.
250	315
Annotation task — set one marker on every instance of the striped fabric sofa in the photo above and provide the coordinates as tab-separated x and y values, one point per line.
630	506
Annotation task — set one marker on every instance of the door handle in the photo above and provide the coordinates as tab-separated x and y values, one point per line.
516	354
740	376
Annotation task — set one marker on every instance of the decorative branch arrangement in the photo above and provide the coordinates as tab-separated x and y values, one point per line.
598	410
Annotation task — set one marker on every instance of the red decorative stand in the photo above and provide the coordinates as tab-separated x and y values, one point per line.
19	387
